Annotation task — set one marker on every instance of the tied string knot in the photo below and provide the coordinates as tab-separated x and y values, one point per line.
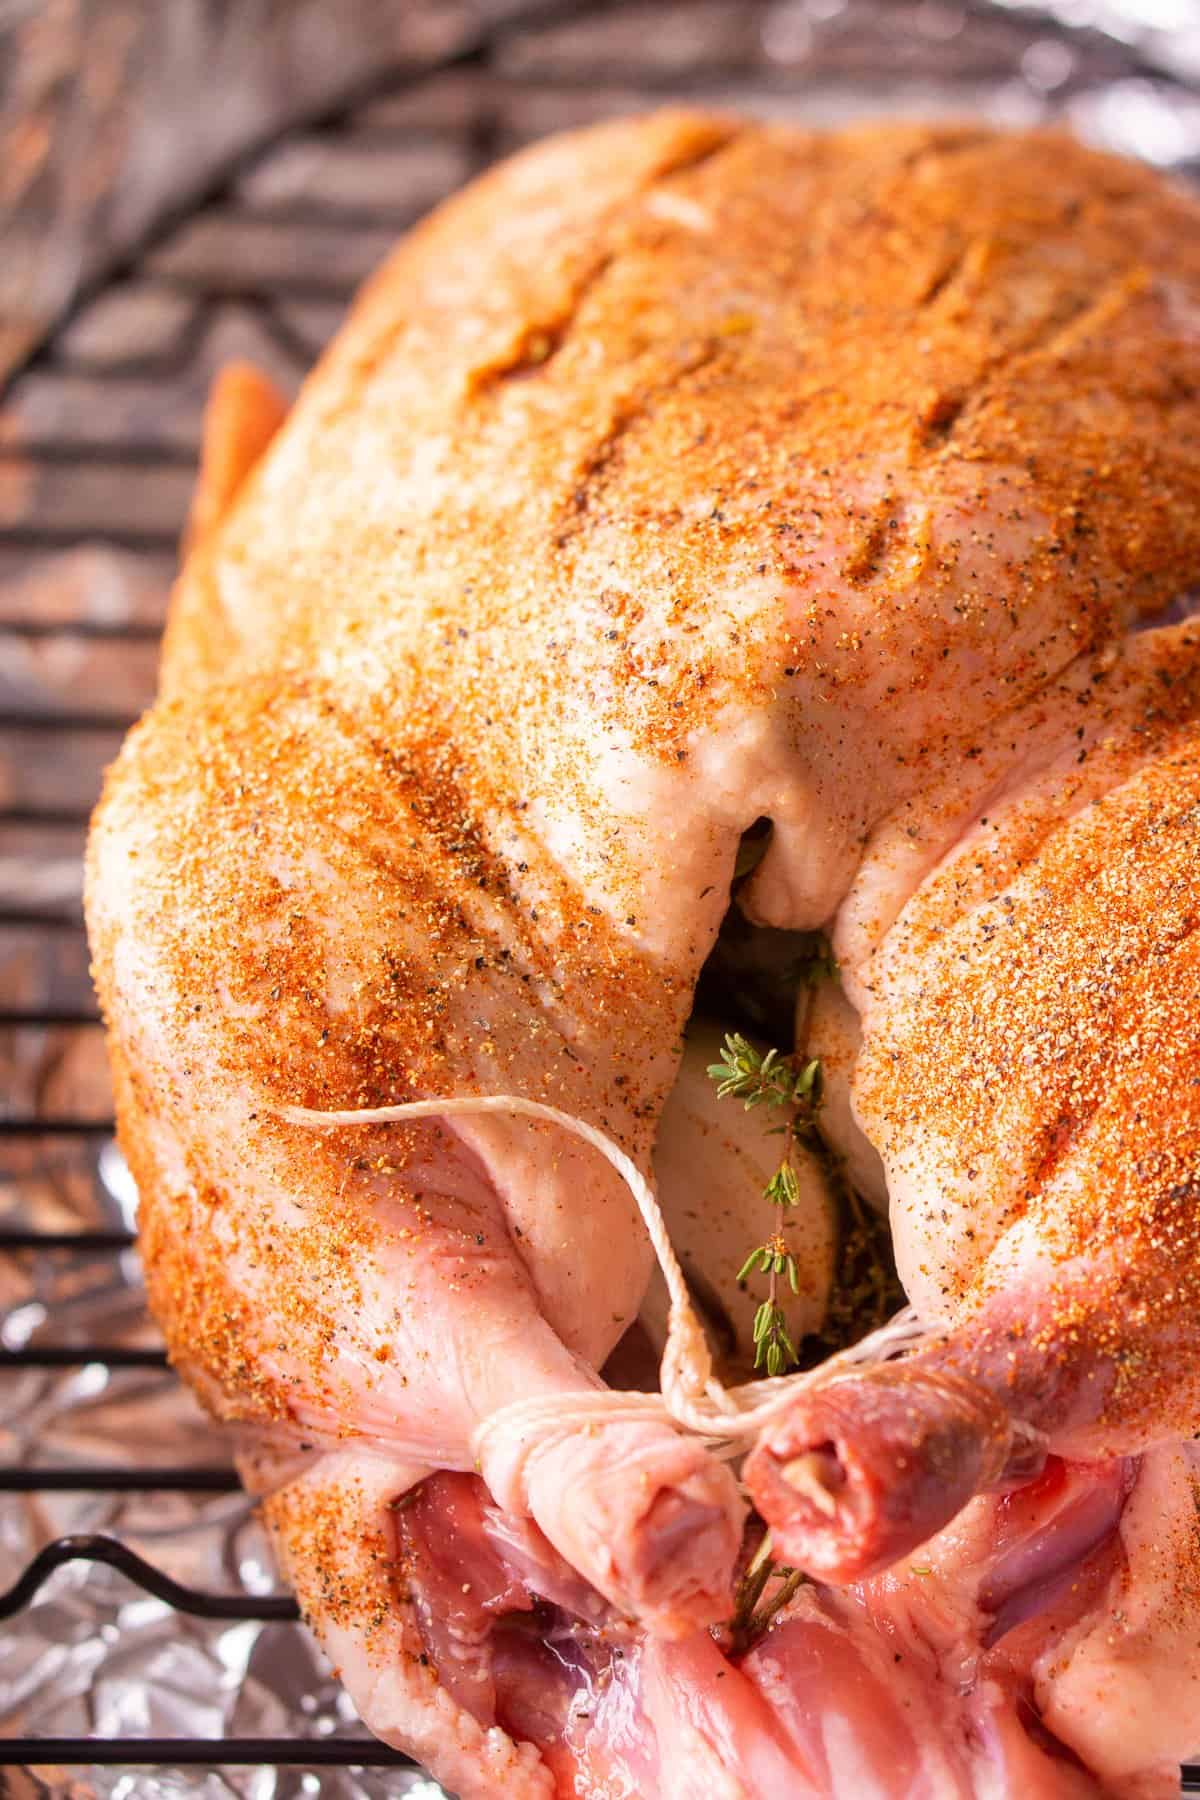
998	1434
1009	1449
691	1398
512	1438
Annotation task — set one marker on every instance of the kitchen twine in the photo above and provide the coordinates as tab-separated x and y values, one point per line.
691	1397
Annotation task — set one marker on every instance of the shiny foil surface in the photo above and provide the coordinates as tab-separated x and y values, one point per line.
92	1654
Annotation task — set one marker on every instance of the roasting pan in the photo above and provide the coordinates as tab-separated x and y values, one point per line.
147	1649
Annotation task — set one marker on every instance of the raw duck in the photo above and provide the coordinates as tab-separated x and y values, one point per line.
682	474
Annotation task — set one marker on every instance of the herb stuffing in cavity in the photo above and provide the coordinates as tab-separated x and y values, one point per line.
769	1079
763	1591
759	1078
866	1290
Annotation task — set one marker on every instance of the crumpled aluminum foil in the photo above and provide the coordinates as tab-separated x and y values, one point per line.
95	1656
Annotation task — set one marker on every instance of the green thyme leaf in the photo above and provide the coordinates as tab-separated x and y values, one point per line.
818	963
783	1189
755	1260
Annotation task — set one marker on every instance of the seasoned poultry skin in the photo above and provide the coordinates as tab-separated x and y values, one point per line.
680	473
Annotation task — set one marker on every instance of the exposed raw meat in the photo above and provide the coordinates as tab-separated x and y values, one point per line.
1036	1648
680	475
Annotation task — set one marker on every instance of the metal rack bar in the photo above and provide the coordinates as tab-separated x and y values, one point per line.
67	1356
66	1240
342	1753
93	1547
101	1480
28	1127
354	1753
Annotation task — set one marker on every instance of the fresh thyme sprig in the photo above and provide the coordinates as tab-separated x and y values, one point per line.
754	1608
818	963
865	1286
765	1078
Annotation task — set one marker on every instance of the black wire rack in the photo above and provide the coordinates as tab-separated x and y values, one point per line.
99	1548
512	86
